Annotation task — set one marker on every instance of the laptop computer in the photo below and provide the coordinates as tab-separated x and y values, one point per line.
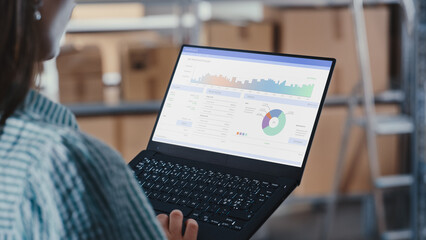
232	136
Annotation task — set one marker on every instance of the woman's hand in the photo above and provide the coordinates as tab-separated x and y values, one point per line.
173	226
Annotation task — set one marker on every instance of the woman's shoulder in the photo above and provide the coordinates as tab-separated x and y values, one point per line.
45	143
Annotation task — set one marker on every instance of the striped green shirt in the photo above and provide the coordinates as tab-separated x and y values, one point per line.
58	183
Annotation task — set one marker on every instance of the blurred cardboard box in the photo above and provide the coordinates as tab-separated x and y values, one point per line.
321	165
329	32
128	134
247	36
104	128
110	44
111	10
146	71
135	134
80	74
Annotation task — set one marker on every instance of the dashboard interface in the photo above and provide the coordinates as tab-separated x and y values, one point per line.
251	105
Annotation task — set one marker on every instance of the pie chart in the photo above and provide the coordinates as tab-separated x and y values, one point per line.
273	122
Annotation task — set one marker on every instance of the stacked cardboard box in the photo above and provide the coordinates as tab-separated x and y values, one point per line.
135	133
80	74
108	11
110	44
248	36
104	128
146	71
128	134
329	32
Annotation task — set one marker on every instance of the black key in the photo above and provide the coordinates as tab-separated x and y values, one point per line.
173	200
149	169
166	189
216	209
175	173
274	185
200	187
164	197
220	191
154	195
163	179
215	220
231	184
231	194
192	204
190	186
255	182
243	215
237	227
215	199
148	185
154	177
172	182
144	175
232	221
193	177
254	190
203	206
157	187
204	197
195	215
184	193
223	211
226	201
167	207
195	195
184	175
222	183
175	191
213	208
245	206
265	184
205	217
210	189
181	183
183	202
225	224
137	170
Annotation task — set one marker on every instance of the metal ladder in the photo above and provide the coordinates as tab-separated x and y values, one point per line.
373	125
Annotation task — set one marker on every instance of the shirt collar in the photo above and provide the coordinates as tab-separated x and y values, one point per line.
39	107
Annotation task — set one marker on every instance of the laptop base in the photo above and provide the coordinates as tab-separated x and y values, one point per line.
226	202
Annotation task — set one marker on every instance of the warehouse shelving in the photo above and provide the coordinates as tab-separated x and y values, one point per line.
162	22
419	138
123	107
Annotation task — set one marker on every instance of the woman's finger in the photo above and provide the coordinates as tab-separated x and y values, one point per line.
175	223
164	221
191	230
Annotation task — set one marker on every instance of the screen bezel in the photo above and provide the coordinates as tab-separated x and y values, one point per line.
248	164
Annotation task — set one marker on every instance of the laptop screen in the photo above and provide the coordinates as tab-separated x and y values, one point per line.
252	105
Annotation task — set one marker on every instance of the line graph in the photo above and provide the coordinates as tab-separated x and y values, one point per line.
263	85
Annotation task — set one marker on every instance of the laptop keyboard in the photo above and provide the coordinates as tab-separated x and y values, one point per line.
217	198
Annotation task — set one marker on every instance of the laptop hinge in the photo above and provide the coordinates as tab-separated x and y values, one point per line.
150	153
297	181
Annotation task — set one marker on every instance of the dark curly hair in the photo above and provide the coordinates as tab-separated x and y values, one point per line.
19	53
